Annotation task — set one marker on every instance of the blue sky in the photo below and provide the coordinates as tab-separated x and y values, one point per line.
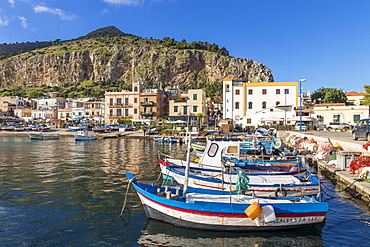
326	42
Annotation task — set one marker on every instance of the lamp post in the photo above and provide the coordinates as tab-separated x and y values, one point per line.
300	104
285	111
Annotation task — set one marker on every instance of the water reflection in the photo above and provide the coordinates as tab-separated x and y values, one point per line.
158	233
67	193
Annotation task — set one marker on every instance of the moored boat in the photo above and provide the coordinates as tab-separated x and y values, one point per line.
43	137
83	135
256	184
222	211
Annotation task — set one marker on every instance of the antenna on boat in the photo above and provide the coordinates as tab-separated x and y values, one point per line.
187	168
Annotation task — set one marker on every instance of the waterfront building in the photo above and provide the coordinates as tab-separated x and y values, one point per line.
152	104
340	112
262	103
354	98
94	110
139	105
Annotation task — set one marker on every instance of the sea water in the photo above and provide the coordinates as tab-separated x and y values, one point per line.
67	193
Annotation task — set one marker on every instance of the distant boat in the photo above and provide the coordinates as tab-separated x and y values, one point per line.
77	128
99	129
43	137
8	128
83	135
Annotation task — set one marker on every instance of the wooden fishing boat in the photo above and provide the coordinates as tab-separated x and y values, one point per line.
222	211
235	168
222	151
83	135
259	185
43	137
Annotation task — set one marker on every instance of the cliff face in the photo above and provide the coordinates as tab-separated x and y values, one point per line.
153	65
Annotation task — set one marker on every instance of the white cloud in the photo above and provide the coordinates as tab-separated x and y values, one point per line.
56	11
23	20
11	2
105	12
123	2
4	21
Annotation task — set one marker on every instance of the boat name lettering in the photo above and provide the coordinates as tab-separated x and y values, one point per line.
295	220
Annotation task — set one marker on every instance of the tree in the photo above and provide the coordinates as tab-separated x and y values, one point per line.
329	95
367	95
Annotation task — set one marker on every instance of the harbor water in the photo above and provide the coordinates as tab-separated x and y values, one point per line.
67	193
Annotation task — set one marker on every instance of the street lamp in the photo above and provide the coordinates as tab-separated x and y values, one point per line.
285	93
300	104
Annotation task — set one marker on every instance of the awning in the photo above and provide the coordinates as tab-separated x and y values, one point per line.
77	118
271	119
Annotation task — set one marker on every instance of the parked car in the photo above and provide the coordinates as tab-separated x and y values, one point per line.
299	127
337	125
361	129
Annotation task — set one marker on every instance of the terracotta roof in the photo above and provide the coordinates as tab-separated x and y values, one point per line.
355	94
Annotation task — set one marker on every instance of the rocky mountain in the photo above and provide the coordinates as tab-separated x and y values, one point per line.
110	55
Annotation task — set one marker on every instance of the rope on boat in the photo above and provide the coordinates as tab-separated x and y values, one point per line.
166	155
339	190
124	204
351	214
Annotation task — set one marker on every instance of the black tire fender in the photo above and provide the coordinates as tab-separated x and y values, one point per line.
280	191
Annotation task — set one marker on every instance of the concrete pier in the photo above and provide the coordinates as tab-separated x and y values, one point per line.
342	179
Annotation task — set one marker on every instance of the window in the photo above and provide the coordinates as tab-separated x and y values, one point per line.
111	101
135	89
237	105
212	151
227	88
126	101
249	120
195	108
277	102
111	112
250	105
195	97
175	109
264	105
119	101
135	100
250	91
185	110
356	117
286	91
264	91
277	91
336	118
320	118
119	112
135	111
126	112
237	92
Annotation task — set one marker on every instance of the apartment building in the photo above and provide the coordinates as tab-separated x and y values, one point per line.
257	103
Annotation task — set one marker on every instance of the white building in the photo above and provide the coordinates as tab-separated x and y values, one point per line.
258	103
340	112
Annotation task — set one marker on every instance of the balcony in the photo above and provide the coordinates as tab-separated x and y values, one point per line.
147	114
148	103
120	106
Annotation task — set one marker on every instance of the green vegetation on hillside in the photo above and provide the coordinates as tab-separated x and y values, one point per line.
84	89
101	38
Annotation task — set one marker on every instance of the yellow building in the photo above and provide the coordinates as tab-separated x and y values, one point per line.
190	105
